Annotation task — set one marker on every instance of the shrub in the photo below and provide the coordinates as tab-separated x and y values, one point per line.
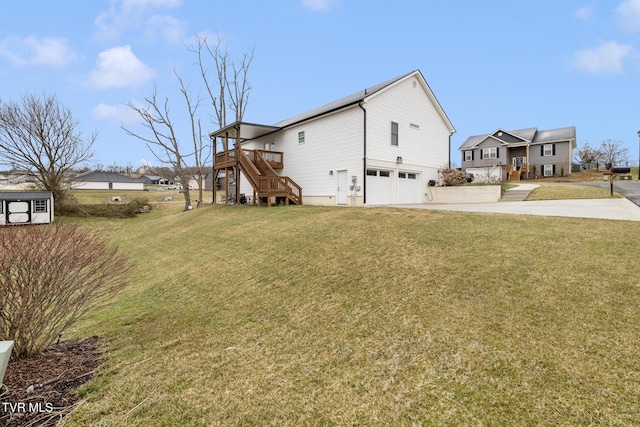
50	275
454	177
125	210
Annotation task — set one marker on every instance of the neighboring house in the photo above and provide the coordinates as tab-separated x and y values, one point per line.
105	181
154	179
519	154
26	207
22	181
378	146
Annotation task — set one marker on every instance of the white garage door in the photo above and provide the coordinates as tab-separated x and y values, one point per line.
379	187
409	187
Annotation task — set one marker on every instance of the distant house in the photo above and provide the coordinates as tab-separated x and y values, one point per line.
105	181
26	207
519	154
154	179
21	181
381	145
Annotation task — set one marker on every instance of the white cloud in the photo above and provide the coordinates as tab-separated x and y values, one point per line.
606	58
129	15
585	13
169	28
319	5
117	114
628	16
51	52
119	67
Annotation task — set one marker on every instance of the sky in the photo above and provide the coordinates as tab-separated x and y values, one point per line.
495	64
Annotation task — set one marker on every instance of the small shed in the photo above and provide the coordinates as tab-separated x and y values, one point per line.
26	207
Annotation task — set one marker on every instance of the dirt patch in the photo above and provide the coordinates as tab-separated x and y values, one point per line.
40	390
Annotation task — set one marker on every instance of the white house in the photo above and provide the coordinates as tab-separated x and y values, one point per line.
105	181
26	207
378	146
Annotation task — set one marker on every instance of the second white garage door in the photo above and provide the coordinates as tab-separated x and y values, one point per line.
409	187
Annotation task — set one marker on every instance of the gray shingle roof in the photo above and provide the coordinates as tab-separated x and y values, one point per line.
24	195
560	134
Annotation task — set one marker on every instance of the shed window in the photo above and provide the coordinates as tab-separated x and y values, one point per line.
40	206
394	133
301	137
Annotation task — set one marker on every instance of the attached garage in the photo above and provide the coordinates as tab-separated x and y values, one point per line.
26	208
380	184
409	187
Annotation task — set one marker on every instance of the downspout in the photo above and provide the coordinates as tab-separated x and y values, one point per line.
364	158
449	164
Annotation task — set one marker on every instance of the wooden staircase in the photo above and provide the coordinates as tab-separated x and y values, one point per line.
516	174
265	181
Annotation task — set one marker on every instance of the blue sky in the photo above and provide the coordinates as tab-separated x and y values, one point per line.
491	64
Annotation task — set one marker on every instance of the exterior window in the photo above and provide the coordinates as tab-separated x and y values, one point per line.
40	206
301	137
402	175
490	153
468	156
372	172
394	133
1	203
547	150
412	176
548	170
384	173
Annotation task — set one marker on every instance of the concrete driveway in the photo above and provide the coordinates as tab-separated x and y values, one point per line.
630	189
615	209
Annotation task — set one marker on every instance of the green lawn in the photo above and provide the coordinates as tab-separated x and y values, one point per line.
336	316
552	191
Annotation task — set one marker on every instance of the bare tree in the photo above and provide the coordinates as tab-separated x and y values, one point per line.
231	78
613	152
39	135
164	142
588	156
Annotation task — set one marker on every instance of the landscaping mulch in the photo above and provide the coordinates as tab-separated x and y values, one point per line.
40	390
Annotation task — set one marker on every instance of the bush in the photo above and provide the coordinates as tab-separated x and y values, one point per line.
50	275
71	207
454	177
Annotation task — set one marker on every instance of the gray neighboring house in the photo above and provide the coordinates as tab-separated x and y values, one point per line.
519	154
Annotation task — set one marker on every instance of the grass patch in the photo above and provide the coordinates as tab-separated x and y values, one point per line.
307	315
551	191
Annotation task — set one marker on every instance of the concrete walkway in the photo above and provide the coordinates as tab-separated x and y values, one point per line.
617	209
